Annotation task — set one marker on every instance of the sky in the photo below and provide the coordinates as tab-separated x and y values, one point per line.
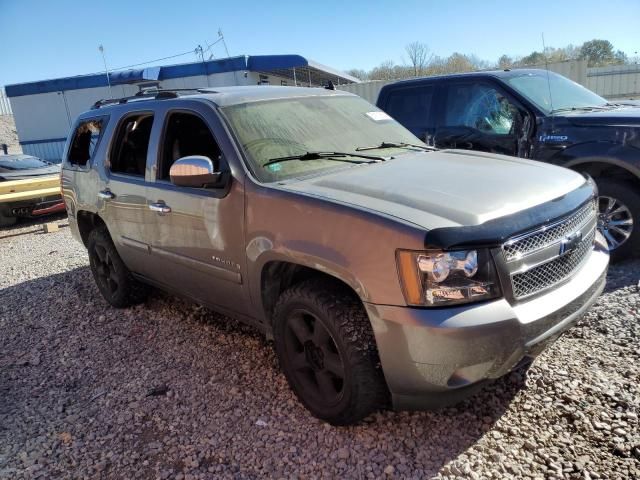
42	39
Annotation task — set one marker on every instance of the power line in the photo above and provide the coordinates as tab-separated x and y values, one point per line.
156	60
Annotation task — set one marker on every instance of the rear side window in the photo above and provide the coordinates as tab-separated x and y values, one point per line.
186	134
84	142
129	151
412	107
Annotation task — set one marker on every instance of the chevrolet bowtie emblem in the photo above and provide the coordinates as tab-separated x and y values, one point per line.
570	242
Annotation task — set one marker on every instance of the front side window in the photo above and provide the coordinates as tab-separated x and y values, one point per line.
129	151
186	134
550	92
479	106
294	126
411	107
84	141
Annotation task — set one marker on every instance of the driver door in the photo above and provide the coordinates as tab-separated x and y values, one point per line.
477	116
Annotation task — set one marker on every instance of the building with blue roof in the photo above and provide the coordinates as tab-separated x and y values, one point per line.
45	110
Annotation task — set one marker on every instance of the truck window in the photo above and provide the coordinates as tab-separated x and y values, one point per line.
129	153
479	106
411	107
84	141
186	134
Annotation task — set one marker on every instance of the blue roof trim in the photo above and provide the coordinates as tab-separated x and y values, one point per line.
274	62
232	64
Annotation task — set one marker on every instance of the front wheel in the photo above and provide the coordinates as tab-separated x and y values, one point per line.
618	214
327	351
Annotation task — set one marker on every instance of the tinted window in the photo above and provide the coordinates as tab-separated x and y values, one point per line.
186	134
84	141
411	107
129	153
479	106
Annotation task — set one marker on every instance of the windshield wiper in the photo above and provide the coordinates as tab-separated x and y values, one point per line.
395	145
337	156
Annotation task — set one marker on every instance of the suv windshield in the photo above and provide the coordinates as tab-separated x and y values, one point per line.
565	94
281	128
21	162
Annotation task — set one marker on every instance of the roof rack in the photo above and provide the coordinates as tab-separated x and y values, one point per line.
149	94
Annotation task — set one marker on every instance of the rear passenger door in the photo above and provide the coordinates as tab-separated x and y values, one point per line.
197	244
478	116
414	108
123	197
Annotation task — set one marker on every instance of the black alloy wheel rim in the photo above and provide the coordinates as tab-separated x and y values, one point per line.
314	358
105	269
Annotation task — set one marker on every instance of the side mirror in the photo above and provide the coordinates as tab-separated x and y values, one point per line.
194	171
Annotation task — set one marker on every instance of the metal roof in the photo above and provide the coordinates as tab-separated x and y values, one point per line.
306	71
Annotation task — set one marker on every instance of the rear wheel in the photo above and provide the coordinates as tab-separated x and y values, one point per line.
618	217
327	351
113	278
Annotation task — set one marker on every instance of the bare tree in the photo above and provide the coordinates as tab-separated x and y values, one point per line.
419	56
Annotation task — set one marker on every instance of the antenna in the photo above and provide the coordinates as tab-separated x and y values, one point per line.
546	66
106	70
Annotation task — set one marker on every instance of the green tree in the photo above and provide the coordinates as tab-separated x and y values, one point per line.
599	52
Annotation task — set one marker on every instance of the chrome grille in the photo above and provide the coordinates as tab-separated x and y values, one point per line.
551	273
520	247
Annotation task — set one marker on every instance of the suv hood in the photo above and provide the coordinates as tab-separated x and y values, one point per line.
445	188
621	117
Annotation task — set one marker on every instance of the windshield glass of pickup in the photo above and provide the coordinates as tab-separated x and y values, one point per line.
565	94
271	129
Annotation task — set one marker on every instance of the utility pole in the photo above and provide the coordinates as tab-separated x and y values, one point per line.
221	37
106	70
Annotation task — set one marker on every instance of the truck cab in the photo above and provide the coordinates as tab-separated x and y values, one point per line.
540	115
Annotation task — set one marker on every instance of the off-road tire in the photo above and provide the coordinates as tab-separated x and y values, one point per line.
341	313
117	286
629	196
6	219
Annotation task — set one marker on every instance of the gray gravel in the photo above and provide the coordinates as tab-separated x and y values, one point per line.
170	390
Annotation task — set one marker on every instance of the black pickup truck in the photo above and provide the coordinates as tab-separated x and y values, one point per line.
540	115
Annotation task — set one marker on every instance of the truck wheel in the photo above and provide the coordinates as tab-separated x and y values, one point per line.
619	218
115	282
6	219
328	353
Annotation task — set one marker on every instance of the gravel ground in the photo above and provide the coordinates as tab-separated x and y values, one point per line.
169	390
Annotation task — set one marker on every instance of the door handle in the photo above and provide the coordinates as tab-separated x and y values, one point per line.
106	195
159	207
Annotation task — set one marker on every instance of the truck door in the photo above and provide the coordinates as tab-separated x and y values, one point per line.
479	116
122	199
197	243
414	108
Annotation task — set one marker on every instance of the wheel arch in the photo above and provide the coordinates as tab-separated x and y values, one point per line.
88	221
279	274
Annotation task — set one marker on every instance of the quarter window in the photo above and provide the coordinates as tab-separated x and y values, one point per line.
186	134
84	142
129	153
479	106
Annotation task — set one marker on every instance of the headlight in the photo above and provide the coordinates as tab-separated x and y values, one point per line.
436	278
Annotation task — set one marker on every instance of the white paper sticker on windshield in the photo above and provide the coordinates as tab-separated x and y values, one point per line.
378	116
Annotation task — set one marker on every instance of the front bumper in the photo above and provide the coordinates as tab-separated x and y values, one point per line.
439	356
